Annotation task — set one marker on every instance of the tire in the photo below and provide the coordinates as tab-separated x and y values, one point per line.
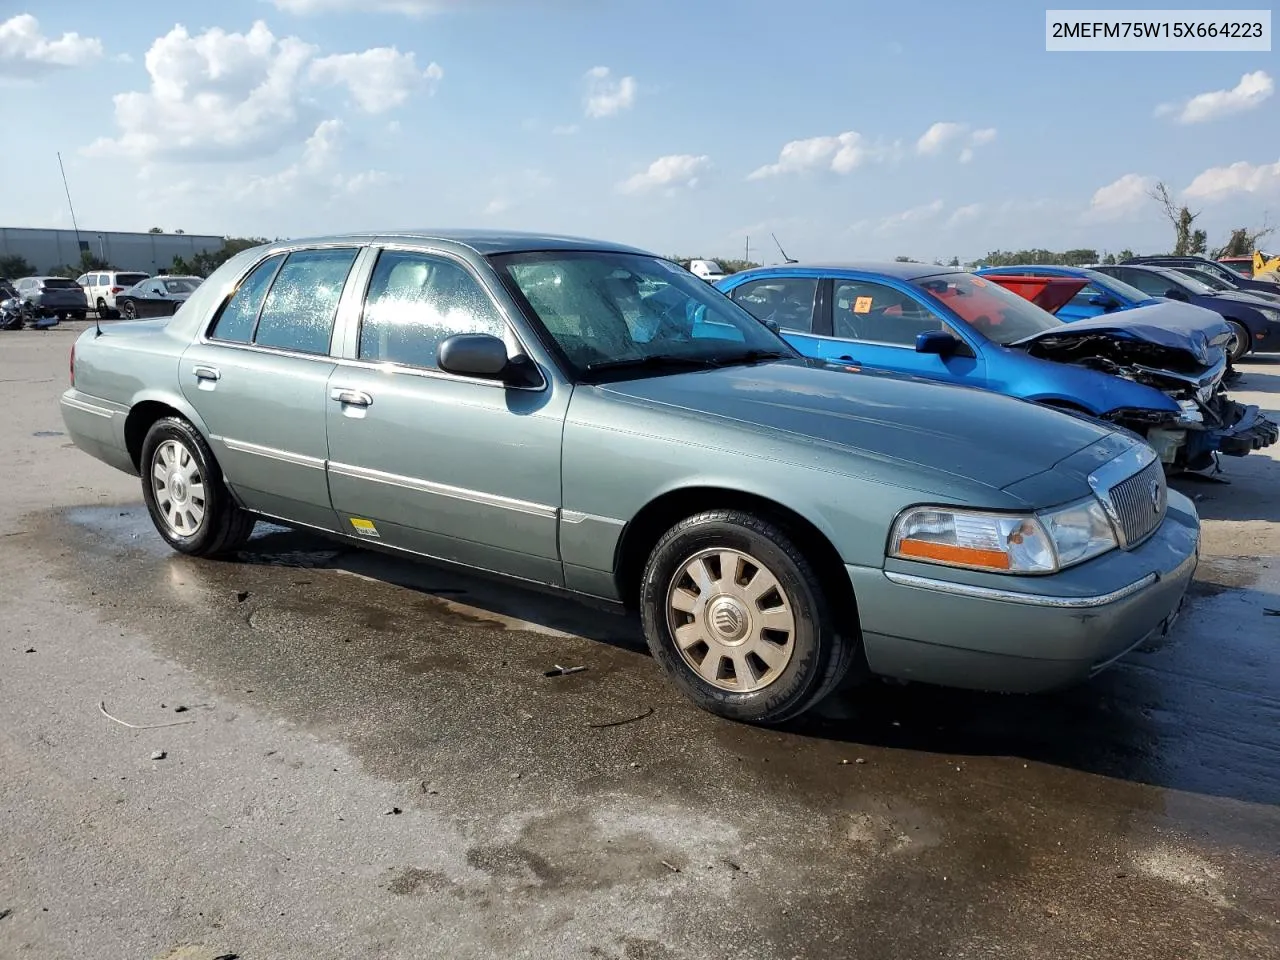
203	524
807	661
1243	340
129	311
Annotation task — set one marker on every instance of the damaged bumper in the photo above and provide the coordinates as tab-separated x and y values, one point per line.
1251	431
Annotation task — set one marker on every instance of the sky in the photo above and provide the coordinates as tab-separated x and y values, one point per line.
849	129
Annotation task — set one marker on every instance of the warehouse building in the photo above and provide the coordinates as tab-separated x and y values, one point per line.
47	250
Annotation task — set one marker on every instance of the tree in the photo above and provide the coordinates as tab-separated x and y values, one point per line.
1125	254
179	231
954	262
1187	242
1109	259
903	260
13	267
206	261
1009	258
1243	241
156	230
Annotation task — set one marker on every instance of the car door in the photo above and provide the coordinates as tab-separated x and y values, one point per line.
258	377
153	300
875	324
460	468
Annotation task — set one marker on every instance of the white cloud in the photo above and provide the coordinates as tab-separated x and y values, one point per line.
565	130
1251	91
1121	197
676	170
228	96
946	132
920	214
607	97
962	214
379	79
26	52
841	153
315	174
1239	177
496	206
411	8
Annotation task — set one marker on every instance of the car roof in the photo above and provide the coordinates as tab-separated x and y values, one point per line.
1056	267
889	268
483	242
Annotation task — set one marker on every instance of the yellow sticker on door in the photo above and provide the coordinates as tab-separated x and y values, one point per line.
364	527
862	305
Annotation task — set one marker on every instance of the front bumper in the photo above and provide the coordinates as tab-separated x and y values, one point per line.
1025	634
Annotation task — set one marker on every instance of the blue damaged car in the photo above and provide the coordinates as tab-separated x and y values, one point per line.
1156	371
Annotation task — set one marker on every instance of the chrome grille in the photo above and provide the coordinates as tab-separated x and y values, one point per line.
1137	505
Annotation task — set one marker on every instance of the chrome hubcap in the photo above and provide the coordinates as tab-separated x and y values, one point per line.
178	487
732	621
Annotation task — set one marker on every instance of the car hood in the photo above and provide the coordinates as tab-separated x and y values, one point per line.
1236	296
975	434
1165	324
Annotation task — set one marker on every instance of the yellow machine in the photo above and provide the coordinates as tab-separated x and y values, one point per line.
1261	265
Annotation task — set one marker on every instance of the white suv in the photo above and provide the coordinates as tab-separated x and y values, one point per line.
101	287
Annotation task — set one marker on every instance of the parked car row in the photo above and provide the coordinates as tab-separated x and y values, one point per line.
617	428
43	301
1151	365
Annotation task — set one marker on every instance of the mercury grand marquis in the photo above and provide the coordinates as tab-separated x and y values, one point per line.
591	417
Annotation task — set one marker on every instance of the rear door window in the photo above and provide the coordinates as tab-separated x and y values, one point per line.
299	310
238	317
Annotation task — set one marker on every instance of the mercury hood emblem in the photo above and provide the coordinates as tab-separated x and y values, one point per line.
1155	496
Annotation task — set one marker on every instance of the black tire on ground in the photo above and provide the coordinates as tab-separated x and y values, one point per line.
225	526
822	648
1243	341
129	311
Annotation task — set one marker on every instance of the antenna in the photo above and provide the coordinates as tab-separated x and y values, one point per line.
785	258
70	207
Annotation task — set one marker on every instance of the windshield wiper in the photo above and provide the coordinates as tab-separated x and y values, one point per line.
754	356
655	361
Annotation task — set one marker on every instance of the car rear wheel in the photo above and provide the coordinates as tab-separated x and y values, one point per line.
183	489
739	618
1241	341
129	311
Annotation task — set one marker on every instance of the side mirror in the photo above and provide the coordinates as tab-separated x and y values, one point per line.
1103	301
1173	293
773	326
473	355
937	341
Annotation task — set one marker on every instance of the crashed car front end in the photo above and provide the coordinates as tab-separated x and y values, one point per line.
1181	356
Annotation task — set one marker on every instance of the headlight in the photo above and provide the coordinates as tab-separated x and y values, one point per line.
1271	313
1003	543
1079	531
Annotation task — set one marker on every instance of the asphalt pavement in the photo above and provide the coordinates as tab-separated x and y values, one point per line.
316	751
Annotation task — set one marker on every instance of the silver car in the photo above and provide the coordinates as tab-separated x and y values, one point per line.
594	418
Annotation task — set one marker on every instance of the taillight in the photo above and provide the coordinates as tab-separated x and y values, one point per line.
73	364
117	289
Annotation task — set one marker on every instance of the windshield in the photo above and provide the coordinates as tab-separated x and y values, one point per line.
179	286
618	308
1242	267
1208	279
996	313
1188	283
1118	287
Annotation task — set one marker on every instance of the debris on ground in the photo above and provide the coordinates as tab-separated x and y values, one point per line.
29	650
670	866
393	812
5	913
102	707
180	709
560	671
618	723
158	755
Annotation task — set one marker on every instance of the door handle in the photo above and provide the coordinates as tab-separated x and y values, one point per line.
847	359
352	398
204	372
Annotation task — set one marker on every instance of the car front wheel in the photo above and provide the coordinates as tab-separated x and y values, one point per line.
183	489
739	618
1240	342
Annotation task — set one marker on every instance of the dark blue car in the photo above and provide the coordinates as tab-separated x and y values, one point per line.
1157	371
1255	321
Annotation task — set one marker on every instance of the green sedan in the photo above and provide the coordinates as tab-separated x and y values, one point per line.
594	418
